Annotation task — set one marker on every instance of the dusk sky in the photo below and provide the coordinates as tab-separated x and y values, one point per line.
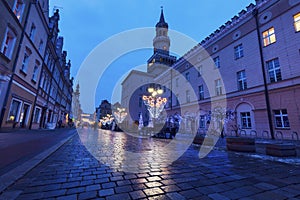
85	24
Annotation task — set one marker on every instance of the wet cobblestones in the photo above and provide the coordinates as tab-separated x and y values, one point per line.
73	173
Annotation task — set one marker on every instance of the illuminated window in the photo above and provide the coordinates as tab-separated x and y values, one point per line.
218	87
238	51
19	9
246	120
14	110
281	119
241	79
269	36
8	43
297	22
274	70
217	62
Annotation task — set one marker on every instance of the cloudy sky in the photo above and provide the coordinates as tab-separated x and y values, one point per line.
87	23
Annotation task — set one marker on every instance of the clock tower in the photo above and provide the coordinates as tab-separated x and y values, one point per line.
161	59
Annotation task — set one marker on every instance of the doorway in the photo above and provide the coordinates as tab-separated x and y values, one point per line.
24	115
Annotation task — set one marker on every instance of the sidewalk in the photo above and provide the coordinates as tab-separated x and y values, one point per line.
21	150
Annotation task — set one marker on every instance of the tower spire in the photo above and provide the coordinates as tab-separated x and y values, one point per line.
162	23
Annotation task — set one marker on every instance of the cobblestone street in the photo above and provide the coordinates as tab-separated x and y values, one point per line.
72	172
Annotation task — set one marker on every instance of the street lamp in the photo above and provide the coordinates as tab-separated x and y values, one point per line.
154	103
120	114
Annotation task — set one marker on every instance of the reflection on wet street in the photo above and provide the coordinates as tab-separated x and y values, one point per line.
133	153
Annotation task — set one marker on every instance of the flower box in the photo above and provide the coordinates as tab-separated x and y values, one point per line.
240	144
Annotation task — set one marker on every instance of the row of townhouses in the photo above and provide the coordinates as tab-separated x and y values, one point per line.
248	67
35	86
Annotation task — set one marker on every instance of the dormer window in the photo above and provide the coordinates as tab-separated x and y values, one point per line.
19	9
32	31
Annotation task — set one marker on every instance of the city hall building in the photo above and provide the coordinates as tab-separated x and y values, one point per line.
249	67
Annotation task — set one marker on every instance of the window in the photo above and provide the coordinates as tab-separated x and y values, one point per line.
35	71
200	70
217	62
297	22
187	76
269	36
201	92
42	79
8	43
238	51
37	115
18	9
241	79
218	87
14	110
41	45
281	119
25	61
274	70
202	121
32	31
177	82
246	120
188	96
140	102
177	99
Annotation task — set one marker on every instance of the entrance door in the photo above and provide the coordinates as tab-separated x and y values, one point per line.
24	115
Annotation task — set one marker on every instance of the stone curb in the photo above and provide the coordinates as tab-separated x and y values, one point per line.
13	175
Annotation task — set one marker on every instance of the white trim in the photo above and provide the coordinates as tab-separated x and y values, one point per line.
24	88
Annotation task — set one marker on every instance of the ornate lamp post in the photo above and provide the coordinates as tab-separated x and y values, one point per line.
120	114
107	120
155	104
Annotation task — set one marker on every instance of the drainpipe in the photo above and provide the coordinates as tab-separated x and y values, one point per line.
266	91
14	67
171	90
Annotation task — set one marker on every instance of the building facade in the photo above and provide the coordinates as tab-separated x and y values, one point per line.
28	36
104	109
249	68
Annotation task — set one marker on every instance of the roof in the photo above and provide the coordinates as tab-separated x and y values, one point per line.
162	23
